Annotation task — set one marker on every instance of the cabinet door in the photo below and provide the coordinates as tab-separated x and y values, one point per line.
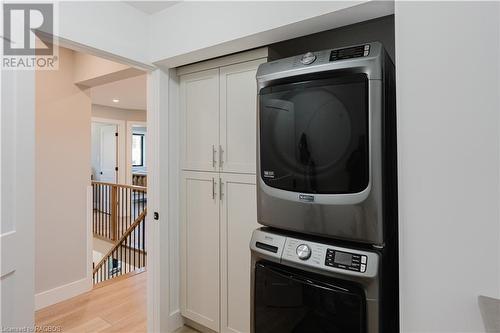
238	110
238	220
199	105
200	271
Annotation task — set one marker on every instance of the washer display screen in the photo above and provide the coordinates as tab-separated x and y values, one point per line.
343	258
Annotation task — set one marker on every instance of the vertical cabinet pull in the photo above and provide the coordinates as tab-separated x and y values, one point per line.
221	184
213	188
221	160
214	151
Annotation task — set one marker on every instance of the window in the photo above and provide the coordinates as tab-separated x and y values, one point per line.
137	150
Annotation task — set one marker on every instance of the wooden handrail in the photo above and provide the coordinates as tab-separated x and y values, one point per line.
133	187
121	240
112	205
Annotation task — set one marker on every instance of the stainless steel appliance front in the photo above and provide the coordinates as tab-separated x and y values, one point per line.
334	289
326	144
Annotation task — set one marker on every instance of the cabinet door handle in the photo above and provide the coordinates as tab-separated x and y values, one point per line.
213	188
214	151
221	184
221	160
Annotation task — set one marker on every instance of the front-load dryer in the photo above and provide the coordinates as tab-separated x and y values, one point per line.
327	144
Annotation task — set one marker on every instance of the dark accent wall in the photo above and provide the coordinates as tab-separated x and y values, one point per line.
381	30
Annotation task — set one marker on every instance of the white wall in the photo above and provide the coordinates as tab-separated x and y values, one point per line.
91	71
194	31
111	27
118	29
62	174
447	57
89	67
102	111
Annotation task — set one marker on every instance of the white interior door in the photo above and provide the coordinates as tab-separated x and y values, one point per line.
108	154
200	248
238	221
17	199
238	121
199	105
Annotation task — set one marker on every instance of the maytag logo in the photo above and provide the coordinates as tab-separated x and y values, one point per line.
268	174
306	197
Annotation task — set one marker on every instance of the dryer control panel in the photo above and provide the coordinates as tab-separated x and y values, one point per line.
350	52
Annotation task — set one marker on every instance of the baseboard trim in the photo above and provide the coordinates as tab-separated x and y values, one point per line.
62	293
175	321
119	278
196	326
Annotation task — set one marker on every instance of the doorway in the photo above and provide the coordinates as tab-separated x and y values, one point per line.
104	152
119	173
100	218
137	168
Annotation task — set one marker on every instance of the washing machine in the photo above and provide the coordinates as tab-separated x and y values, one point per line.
303	284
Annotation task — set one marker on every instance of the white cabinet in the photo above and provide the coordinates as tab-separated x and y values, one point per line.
200	248
238	211
218	110
218	217
199	105
218	104
238	116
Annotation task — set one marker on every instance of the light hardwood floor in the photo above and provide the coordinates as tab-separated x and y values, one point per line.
118	306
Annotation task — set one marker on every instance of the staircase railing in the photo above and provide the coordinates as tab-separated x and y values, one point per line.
124	256
119	213
115	207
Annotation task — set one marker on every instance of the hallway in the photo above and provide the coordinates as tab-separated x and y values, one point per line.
118	306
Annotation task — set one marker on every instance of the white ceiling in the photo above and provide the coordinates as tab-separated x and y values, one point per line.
130	92
151	7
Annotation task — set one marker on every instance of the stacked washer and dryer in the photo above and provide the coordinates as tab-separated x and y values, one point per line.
327	259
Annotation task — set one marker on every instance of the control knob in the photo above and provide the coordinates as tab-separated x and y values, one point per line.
303	251
308	58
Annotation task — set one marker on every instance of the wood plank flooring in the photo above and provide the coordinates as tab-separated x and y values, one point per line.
116	307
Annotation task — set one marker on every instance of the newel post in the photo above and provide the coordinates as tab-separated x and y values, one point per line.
114	213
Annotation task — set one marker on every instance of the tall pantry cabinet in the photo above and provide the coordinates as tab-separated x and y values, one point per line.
218	191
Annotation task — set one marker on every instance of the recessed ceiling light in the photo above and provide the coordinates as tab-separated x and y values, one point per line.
115	100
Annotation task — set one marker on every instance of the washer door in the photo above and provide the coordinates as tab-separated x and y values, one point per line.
293	301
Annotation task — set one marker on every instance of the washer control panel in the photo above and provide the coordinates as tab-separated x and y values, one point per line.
346	260
303	251
326	257
308	58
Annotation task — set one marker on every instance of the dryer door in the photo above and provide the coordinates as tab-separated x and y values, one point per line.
293	301
314	135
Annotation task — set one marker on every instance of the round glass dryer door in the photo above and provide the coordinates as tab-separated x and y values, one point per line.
314	135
